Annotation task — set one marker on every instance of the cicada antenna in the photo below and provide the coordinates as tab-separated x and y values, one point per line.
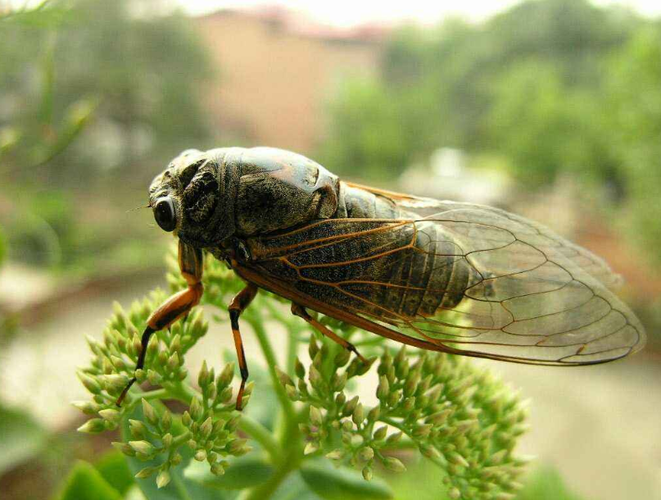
138	208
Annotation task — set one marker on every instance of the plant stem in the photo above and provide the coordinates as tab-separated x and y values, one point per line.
271	363
263	436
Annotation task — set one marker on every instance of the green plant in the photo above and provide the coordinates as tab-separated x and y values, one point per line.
461	418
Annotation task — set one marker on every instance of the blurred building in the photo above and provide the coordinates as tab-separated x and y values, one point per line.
277	72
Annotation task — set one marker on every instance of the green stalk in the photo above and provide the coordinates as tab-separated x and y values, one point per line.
269	355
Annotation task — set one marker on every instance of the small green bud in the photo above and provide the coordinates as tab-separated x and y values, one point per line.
124	448
200	455
143	447
90	382
358	414
350	406
409	404
338	382
373	414
162	479
394	438
166	420
421	431
335	455
439	418
367	473
311	447
87	407
313	348
206	427
196	409
118	362
342	358
167	440
429	451
146	472
380	433
291	392
149	412
393	464
186	419
233	423
411	385
394	398
299	369
176	459
175	345
316	380
457	459
225	377
285	379
366	453
383	390
93	426
454	494
315	416
203	377
137	429
237	446
217	469
173	362
226	395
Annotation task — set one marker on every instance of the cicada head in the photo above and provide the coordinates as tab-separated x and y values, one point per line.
190	198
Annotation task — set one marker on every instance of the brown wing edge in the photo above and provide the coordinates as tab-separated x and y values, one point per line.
270	285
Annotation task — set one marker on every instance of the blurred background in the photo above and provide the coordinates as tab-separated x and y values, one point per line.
548	108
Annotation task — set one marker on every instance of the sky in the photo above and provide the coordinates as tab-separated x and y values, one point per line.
347	13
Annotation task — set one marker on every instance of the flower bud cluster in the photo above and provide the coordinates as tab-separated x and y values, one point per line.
461	418
115	358
212	422
150	439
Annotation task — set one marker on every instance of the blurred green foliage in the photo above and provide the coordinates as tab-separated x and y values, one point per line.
551	86
96	97
138	75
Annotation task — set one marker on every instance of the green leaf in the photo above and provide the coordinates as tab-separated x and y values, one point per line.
342	484
114	469
546	484
86	483
22	438
244	472
294	488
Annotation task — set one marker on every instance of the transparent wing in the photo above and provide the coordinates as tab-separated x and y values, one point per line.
525	295
583	258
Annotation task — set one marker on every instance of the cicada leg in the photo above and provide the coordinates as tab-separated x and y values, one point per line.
298	310
239	304
179	305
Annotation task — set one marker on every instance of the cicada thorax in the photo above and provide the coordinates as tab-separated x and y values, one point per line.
238	193
280	190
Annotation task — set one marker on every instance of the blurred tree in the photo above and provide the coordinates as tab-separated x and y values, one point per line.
449	86
634	101
144	73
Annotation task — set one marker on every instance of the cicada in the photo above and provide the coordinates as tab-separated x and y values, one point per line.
439	275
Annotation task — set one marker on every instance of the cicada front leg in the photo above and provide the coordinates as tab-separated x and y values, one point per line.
191	263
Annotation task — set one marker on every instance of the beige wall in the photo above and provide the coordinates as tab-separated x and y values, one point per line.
273	82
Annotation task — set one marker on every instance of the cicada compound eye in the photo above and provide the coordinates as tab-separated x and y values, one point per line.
165	214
